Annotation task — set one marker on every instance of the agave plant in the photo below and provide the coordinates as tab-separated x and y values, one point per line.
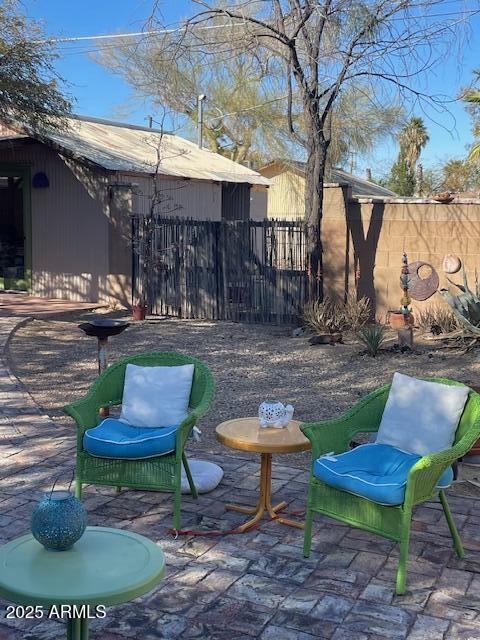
372	336
465	305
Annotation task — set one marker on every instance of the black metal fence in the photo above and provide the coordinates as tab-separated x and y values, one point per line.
244	271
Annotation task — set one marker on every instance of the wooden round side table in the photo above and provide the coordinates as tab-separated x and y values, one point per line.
245	434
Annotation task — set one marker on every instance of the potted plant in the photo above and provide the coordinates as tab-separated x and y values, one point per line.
400	320
139	310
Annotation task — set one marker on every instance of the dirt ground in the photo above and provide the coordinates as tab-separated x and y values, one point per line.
251	363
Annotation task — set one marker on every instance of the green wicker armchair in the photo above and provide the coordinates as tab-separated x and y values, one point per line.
162	472
391	522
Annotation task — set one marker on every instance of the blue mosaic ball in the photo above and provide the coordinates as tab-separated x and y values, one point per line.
58	520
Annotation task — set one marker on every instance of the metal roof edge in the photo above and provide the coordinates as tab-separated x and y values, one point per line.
123	125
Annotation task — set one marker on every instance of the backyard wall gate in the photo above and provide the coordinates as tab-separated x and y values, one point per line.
243	271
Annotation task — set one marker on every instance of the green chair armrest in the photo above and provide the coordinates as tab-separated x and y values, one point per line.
423	478
84	412
335	434
425	474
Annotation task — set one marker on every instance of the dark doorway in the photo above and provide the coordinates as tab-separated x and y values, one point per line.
14	229
235	201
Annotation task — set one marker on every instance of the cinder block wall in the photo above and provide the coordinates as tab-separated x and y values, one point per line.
364	240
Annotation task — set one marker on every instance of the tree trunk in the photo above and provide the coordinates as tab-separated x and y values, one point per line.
314	178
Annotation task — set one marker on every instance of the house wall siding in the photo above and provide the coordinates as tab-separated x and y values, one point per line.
69	225
286	194
81	234
196	199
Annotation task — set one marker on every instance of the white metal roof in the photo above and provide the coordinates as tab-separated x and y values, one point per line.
128	148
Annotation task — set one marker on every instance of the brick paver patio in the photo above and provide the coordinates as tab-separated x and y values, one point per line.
254	585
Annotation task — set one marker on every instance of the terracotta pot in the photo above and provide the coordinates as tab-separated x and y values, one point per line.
139	311
397	320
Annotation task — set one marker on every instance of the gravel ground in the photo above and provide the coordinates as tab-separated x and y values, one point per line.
251	363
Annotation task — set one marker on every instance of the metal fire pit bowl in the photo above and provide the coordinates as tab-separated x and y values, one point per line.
103	328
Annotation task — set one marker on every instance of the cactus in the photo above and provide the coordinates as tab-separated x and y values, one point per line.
466	305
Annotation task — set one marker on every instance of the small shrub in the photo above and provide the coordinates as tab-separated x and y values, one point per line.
334	316
324	317
372	336
436	319
357	312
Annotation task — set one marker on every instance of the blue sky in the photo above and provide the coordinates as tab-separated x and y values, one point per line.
104	95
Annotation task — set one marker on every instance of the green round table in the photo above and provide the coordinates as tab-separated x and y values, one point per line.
105	567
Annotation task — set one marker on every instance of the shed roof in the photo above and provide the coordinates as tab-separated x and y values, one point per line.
360	186
129	148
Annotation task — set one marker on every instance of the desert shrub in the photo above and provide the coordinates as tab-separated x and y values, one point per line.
357	312
372	336
436	319
333	316
327	316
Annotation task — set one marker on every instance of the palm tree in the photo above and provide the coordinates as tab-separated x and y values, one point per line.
412	138
473	97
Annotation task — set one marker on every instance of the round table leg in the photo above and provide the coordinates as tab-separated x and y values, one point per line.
84	629
272	511
73	629
264	501
77	629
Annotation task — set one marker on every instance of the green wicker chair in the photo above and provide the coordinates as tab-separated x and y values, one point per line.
391	522
162	472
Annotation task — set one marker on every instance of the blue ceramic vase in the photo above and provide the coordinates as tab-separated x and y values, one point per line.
58	520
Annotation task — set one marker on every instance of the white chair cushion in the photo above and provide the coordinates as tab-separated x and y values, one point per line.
156	396
420	416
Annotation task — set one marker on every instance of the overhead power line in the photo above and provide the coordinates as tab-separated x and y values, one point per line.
135	34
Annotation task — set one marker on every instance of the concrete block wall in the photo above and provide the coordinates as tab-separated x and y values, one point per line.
364	240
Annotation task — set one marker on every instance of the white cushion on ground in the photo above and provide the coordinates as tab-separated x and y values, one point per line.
156	396
206	476
421	416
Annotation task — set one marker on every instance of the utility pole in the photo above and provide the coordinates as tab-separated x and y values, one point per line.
353	159
419	181
200	100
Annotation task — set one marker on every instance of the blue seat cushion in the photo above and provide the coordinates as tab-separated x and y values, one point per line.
116	439
377	472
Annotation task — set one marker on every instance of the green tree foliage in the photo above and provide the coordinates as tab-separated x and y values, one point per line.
244	113
359	124
472	98
412	139
30	88
401	179
461	175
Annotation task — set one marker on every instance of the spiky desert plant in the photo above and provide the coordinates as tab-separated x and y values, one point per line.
372	336
357	312
437	319
465	305
327	316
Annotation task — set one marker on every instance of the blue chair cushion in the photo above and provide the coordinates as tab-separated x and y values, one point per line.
115	439
377	472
